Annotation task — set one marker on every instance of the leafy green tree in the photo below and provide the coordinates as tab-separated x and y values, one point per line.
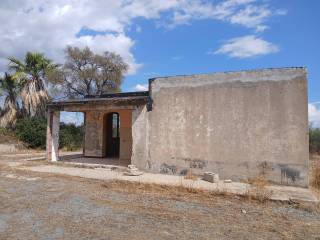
9	114
31	75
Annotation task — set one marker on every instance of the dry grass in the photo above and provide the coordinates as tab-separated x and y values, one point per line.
307	207
190	175
168	212
259	181
184	192
258	189
314	172
138	187
316	178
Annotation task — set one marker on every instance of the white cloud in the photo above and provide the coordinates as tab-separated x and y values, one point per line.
48	26
252	17
248	13
140	87
314	114
247	46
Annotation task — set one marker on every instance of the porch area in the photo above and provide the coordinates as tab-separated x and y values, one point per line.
108	121
78	159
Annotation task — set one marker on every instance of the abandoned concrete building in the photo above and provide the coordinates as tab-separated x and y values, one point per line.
237	124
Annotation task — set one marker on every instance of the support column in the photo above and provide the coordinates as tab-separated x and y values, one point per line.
53	124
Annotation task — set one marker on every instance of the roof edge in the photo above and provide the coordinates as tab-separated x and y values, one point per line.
230	72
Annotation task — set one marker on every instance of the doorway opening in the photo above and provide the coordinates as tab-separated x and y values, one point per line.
112	135
71	132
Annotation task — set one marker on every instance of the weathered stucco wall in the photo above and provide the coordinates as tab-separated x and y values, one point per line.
125	134
140	140
237	124
93	134
95	138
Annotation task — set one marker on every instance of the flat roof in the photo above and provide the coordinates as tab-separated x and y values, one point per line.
124	97
255	70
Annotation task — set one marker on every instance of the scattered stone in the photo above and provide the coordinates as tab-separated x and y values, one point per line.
131	166
243	211
132	171
211	177
227	181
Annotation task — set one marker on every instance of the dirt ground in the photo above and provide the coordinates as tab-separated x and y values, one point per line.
43	206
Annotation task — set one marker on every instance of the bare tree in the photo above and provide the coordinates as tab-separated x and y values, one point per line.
86	73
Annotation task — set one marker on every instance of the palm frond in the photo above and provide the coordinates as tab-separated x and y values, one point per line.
15	64
10	111
31	74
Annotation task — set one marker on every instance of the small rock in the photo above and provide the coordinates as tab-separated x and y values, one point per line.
243	211
227	181
132	170
131	166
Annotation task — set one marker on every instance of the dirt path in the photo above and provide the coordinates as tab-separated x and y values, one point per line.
43	206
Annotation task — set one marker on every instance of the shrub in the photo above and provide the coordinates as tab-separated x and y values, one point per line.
71	136
5	131
7	136
314	140
32	131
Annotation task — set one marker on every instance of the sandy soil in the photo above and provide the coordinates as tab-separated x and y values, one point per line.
44	206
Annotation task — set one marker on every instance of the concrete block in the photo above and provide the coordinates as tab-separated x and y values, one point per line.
211	177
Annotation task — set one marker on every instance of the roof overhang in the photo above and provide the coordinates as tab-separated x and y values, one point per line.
126	100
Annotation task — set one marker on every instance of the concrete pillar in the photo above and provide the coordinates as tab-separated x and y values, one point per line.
53	124
48	140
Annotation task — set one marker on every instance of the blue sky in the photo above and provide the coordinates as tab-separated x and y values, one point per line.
172	37
185	49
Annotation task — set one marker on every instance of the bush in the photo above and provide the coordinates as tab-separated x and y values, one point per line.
7	136
32	131
5	131
71	136
314	140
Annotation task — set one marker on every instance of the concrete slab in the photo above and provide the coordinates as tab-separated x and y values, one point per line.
282	193
92	160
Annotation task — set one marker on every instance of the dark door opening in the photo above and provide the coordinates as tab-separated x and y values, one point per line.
113	135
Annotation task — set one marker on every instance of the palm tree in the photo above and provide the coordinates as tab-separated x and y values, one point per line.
31	74
11	110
